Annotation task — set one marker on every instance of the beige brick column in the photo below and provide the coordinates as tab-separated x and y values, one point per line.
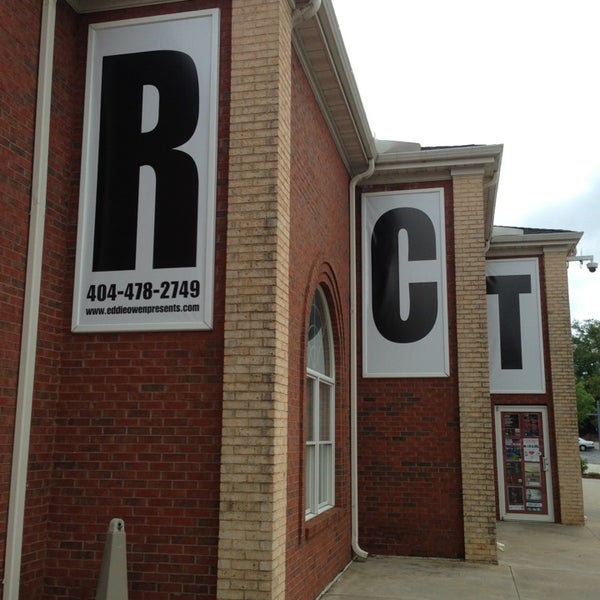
477	456
563	388
253	463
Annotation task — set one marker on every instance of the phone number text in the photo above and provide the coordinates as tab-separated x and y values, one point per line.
143	290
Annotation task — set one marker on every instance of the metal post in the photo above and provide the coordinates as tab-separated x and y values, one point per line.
598	419
112	584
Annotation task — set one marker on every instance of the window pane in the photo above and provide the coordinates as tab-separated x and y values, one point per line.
324	412
310	480
325	474
310	409
319	336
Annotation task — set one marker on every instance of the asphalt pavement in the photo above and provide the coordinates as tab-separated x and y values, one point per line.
592	456
539	561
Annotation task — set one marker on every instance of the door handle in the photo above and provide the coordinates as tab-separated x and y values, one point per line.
545	463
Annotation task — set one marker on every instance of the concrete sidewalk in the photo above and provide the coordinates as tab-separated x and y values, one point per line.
540	561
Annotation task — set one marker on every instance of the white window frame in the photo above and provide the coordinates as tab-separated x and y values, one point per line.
320	452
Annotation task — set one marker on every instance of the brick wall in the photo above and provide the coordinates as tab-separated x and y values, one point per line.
563	388
318	549
124	424
409	447
19	40
255	379
476	448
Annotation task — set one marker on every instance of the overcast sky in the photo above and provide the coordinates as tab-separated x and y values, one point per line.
522	73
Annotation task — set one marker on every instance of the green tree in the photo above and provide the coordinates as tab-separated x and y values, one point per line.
586	357
586	406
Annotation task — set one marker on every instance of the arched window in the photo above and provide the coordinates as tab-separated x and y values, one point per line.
320	413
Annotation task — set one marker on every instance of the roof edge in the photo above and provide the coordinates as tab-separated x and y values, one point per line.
449	154
322	53
517	241
442	163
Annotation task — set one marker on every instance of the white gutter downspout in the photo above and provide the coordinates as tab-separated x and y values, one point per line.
360	553
18	480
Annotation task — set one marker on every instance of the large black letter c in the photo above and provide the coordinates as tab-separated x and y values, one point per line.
385	275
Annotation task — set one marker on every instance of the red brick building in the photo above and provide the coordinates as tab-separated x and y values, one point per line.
231	318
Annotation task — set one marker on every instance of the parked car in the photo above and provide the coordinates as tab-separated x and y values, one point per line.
585	445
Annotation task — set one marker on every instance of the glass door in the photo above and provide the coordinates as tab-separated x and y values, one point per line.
524	474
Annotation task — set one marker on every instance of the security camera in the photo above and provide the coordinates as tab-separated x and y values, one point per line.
592	266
